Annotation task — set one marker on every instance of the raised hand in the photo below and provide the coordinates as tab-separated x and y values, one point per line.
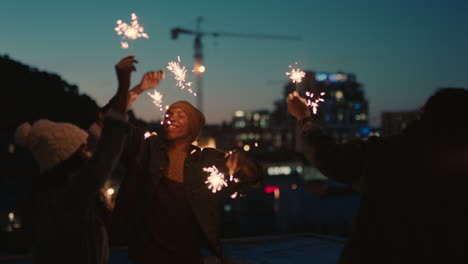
149	81
239	162
297	106
124	69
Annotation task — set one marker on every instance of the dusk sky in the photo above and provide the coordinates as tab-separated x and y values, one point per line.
401	51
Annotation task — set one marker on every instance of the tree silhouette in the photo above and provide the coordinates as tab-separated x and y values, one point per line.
29	94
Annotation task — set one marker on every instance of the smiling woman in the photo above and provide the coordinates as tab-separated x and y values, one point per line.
176	214
183	122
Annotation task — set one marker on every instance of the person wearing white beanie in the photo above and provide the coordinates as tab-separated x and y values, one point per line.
50	142
67	215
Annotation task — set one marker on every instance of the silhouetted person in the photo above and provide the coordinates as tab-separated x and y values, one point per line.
414	185
67	214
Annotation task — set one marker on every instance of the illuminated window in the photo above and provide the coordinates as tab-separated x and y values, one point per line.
240	124
239	113
11	148
339	95
320	76
340	116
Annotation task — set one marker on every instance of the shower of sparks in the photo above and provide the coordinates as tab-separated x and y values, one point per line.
131	32
180	74
215	180
296	74
313	103
150	134
157	99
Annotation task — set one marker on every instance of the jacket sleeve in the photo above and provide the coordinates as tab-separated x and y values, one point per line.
133	144
91	177
345	163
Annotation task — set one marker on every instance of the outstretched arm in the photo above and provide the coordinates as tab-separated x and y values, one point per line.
149	81
246	174
341	162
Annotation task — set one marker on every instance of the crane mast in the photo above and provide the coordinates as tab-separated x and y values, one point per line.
199	69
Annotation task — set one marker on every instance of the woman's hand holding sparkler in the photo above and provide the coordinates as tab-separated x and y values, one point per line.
239	162
297	106
149	81
124	69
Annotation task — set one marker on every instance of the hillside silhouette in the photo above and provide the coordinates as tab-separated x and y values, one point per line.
30	94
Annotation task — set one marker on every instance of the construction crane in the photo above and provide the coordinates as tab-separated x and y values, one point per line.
199	69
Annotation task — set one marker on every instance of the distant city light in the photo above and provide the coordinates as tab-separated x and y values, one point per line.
320	76
279	170
246	148
294	186
337	77
339	95
270	188
11	148
277	195
110	191
227	207
239	113
11	216
201	69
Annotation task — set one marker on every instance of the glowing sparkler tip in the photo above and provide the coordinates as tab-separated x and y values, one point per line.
215	180
295	74
314	103
132	31
180	74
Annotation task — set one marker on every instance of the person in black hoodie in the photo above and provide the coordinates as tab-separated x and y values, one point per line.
66	210
413	207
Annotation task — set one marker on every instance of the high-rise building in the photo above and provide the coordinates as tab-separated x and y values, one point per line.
344	113
393	123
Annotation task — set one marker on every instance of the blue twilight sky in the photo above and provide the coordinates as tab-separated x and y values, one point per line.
401	51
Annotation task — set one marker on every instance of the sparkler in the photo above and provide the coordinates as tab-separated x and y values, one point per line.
157	99
150	134
313	103
180	73
215	180
296	74
131	32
